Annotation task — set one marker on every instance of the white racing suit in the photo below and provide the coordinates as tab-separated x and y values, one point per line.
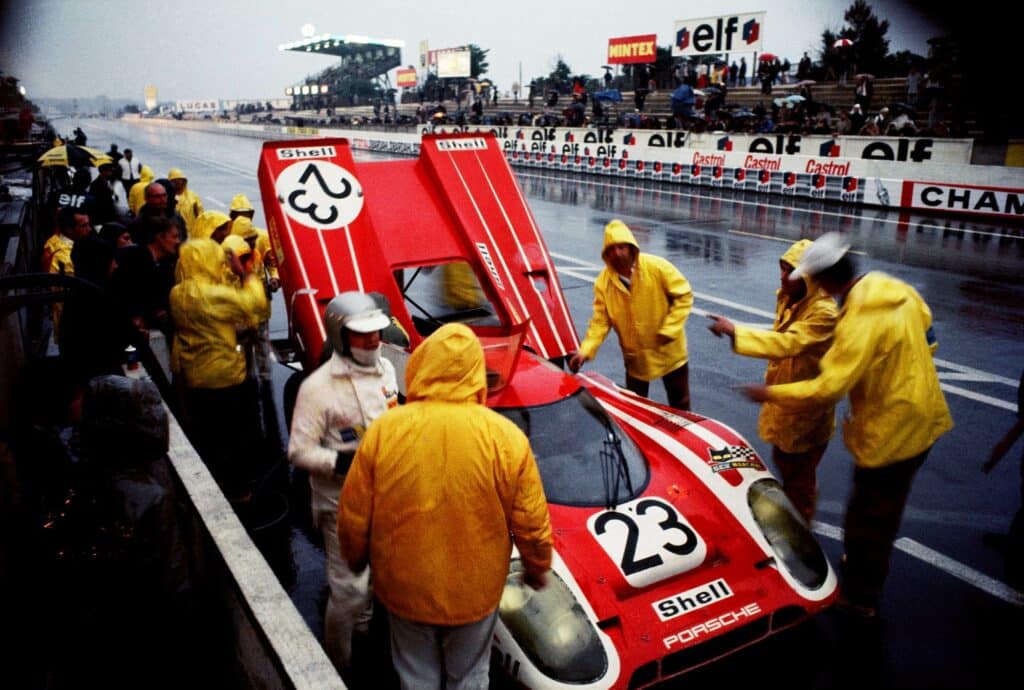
335	405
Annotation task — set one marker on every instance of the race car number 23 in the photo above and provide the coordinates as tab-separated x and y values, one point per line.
648	539
319	194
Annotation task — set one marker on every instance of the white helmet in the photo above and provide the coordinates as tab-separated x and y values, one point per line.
355	311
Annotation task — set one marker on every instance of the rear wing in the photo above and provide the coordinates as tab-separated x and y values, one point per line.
337	224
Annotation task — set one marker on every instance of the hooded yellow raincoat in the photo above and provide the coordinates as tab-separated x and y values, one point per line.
137	194
881	355
240	248
207	316
206	223
802	334
265	266
439	490
189	205
648	317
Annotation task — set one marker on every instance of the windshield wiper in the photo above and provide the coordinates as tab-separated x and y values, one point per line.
614	469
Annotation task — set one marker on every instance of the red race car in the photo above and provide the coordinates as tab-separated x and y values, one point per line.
674	544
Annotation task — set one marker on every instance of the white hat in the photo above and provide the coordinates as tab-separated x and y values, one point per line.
823	253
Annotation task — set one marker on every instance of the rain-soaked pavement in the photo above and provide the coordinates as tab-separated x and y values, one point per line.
950	615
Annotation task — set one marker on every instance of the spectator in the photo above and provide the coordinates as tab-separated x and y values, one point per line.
881	355
803	68
72	225
805	317
335	406
403	511
104	209
94	326
137	193
131	171
145	275
863	93
212	225
116	235
646	300
857	118
187	203
742	80
208	367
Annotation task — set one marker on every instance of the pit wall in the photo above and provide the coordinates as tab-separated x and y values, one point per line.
918	173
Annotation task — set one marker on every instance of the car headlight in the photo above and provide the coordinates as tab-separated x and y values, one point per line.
787	533
551	628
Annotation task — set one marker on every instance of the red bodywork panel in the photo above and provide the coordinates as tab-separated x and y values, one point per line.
343	225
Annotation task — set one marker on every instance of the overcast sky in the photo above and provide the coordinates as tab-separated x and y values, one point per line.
210	49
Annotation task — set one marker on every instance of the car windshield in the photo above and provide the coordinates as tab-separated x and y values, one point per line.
584	457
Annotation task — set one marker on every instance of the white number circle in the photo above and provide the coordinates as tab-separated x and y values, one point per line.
320	194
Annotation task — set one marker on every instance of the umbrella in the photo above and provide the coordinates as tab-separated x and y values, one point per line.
684	94
767	56
795	98
842	43
863	75
73	155
607	67
805	82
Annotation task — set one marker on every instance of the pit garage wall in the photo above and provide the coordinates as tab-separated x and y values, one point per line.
917	173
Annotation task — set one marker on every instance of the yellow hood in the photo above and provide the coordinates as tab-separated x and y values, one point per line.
145	174
236	245
241	202
792	257
201	259
617	232
176	174
449	365
243	227
207	222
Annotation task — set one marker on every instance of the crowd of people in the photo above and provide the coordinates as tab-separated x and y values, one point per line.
150	260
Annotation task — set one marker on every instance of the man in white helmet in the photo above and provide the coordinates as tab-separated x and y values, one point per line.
334	407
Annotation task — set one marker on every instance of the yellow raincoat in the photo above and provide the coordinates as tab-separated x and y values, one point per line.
802	334
207	316
440	488
240	248
648	317
189	205
882	357
206	223
137	194
265	266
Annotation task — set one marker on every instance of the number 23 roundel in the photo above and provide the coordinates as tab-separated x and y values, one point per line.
648	539
319	194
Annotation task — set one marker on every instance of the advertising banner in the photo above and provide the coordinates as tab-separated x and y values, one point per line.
627	50
197	106
725	34
451	62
